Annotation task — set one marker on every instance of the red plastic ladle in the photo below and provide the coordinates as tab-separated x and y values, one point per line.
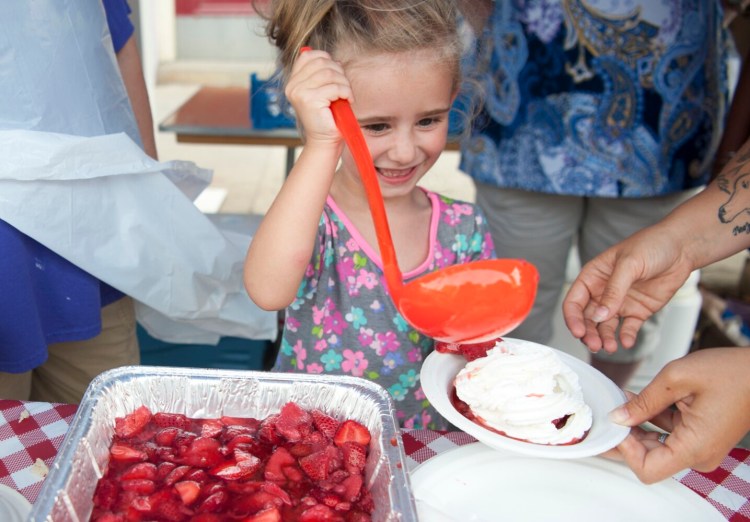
467	303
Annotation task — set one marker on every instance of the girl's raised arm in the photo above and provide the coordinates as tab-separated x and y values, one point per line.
283	245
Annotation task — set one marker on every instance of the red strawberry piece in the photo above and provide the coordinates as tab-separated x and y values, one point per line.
108	517
353	516
123	452
267	431
176	420
355	457
320	513
214	503
245	487
293	473
476	350
255	502
315	465
105	494
366	503
172	510
211	427
188	491
197	474
183	440
267	515
338	476
212	487
241	453
326	424
301	449
161	454
274	489
203	452
140	486
166	436
278	460
133	423
249	465
335	458
318	441
176	475
239	421
142	470
164	469
249	444
231	470
293	423
352	431
206	517
343	506
444	347
230	432
351	486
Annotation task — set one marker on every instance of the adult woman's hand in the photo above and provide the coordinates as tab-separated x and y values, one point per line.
702	400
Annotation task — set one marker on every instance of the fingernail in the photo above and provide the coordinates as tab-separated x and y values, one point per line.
619	415
600	314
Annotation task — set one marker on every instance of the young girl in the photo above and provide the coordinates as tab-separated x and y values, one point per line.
315	253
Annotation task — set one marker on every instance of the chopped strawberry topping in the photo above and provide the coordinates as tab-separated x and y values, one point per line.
296	465
352	431
133	423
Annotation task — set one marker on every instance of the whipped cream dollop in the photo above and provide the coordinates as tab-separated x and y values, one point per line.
526	392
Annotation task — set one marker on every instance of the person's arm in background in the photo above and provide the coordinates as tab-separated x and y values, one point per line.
122	32
129	61
737	125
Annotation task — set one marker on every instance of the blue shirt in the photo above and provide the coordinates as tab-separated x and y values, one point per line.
607	98
46	299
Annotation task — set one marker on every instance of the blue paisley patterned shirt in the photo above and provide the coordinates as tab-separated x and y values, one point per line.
344	322
609	98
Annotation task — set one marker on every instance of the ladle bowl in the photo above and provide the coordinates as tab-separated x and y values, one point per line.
470	303
467	303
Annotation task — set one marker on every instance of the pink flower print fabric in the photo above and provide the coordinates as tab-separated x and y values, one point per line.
344	322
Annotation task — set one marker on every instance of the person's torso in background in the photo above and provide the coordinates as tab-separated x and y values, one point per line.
599	97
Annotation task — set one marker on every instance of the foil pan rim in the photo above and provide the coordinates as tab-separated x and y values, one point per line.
392	458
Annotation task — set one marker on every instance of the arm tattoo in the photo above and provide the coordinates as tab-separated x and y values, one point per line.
734	179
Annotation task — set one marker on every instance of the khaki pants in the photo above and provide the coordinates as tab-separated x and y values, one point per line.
71	366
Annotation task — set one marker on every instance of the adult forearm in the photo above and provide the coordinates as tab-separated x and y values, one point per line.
737	128
131	70
716	223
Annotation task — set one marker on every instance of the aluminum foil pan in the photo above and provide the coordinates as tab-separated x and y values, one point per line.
67	492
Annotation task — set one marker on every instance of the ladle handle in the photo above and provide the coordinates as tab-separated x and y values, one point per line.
349	127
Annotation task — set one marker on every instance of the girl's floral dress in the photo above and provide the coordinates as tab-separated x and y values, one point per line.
344	322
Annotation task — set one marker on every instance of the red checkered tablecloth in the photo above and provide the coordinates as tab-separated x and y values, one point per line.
727	488
33	431
30	432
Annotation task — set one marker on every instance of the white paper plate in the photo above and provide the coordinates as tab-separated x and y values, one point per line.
475	483
600	393
13	506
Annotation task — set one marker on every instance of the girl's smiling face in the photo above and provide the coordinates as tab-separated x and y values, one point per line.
402	103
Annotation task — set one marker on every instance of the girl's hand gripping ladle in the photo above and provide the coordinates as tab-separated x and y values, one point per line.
468	303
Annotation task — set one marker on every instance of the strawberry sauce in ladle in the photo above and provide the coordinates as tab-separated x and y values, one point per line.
468	303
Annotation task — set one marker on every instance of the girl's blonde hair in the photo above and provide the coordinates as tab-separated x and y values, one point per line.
365	27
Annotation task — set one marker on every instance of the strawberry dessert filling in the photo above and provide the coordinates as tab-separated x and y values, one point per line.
296	465
525	392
